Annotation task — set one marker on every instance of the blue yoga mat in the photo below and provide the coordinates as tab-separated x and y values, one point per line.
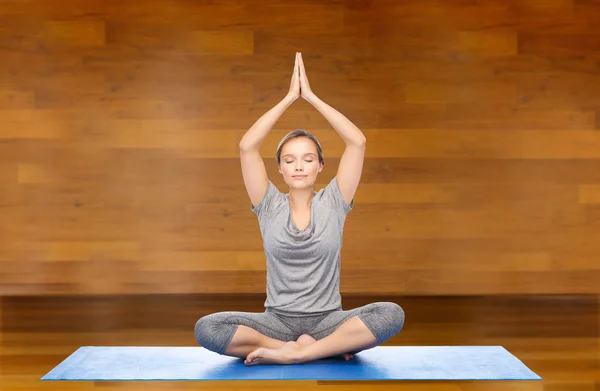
379	363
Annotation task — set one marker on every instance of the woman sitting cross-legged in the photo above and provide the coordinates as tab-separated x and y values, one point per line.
302	235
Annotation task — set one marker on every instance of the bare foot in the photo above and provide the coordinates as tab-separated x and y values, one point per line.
306	340
287	354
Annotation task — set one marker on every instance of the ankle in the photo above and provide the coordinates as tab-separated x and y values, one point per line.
298	353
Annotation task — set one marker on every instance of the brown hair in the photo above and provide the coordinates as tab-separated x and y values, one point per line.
299	133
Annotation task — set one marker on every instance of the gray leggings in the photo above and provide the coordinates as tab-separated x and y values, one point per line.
215	331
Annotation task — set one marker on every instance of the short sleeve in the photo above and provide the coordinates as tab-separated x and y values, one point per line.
332	196
270	201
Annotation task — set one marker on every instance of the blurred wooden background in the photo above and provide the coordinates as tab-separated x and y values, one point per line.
120	122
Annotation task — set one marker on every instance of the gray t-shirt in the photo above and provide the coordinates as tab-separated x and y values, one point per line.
303	266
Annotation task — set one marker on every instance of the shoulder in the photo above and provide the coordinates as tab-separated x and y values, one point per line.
331	196
271	201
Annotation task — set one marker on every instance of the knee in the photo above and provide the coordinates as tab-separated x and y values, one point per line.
206	332
396	314
393	315
201	329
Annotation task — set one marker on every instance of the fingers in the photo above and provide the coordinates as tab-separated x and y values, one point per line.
296	63
301	62
303	78
295	80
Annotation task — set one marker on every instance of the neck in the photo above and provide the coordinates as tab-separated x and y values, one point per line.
300	198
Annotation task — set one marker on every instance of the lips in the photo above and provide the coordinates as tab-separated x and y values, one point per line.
299	176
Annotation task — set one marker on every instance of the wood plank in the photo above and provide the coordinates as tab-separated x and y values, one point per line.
120	127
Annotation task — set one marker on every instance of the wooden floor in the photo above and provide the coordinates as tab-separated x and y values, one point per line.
555	336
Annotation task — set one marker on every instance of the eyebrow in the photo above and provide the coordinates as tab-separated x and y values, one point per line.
289	154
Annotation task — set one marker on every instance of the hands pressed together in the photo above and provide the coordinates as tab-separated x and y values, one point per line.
299	86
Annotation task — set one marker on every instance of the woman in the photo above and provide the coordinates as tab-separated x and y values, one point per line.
302	236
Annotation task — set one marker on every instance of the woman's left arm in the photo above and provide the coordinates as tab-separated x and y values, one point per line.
351	163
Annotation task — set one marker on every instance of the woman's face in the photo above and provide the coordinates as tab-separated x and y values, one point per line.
299	162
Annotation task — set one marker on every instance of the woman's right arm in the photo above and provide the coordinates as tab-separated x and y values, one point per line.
254	137
253	167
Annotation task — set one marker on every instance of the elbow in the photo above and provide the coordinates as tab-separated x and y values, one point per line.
361	142
244	147
357	142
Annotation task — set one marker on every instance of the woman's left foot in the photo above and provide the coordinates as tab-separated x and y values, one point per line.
290	353
306	340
